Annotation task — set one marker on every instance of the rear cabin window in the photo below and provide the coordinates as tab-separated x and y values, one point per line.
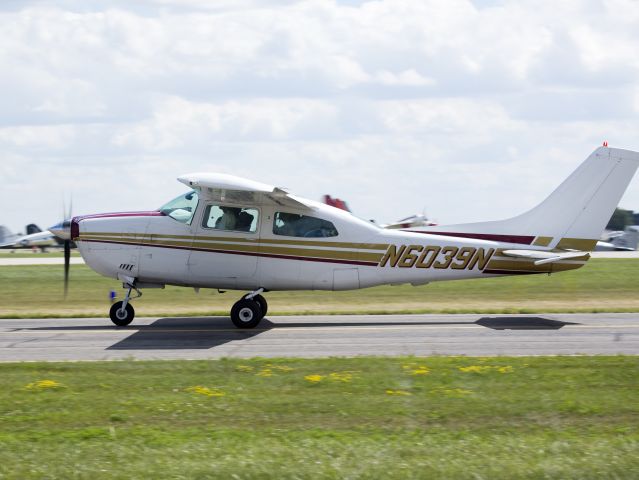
294	225
236	219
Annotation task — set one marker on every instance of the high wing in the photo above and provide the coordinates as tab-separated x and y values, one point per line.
543	257
224	187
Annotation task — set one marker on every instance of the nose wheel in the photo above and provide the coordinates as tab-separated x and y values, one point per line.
122	313
249	311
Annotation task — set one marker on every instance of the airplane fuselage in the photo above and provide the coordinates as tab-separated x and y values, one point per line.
155	249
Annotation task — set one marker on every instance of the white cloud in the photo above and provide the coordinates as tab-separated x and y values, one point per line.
393	105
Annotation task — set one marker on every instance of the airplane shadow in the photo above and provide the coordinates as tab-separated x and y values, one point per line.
175	333
521	323
186	334
209	332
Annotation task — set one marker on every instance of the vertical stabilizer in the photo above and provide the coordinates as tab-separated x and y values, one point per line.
573	216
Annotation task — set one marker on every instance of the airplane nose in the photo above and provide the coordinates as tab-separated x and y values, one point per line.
62	230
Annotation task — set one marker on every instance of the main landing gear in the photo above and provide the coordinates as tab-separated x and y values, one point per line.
249	310
122	313
246	313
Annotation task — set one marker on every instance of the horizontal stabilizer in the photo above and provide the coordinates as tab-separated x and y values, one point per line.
544	257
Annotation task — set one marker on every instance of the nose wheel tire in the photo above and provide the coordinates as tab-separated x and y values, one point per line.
121	317
246	313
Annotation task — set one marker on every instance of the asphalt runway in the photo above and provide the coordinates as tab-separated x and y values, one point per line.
320	336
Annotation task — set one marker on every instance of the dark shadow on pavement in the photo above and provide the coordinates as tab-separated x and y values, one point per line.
522	323
176	333
185	334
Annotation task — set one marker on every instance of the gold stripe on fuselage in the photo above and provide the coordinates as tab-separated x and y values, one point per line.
401	256
543	241
576	244
255	248
310	243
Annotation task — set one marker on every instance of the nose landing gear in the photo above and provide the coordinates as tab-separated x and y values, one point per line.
122	313
249	310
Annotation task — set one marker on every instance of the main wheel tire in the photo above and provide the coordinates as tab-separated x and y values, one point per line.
119	317
263	305
246	314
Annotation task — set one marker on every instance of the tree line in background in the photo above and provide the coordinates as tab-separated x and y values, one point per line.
622	218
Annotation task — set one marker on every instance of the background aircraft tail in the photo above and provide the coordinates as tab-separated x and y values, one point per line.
5	235
32	228
628	240
335	202
573	216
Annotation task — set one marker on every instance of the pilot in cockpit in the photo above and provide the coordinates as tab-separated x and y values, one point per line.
228	220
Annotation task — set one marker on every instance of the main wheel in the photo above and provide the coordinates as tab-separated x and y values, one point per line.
246	314
263	305
121	317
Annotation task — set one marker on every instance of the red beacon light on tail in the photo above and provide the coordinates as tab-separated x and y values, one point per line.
605	144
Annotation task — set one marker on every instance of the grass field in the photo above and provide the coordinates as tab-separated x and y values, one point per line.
609	285
30	254
440	417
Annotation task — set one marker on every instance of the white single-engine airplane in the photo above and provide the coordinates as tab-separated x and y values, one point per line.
232	233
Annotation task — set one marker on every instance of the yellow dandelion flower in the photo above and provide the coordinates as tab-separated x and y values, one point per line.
313	378
43	385
265	372
208	392
506	369
397	392
341	376
421	371
244	368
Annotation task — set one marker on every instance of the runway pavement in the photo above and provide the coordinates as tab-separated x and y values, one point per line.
319	336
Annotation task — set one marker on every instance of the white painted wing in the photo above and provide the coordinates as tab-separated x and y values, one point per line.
209	183
543	257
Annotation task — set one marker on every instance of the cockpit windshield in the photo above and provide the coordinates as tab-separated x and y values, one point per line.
182	208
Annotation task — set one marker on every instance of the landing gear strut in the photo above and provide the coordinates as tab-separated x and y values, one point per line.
122	313
249	310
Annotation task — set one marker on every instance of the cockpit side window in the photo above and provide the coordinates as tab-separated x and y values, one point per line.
295	225
182	208
236	219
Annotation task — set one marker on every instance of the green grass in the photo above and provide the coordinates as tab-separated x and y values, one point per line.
29	254
542	417
603	285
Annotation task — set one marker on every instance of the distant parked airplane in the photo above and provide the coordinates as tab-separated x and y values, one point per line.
626	240
33	238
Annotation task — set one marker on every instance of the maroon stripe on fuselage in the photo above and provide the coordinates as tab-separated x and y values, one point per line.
154	213
250	254
521	239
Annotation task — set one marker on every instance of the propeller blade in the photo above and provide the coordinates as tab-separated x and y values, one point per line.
67	261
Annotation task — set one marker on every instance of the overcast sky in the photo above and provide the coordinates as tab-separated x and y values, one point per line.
469	110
